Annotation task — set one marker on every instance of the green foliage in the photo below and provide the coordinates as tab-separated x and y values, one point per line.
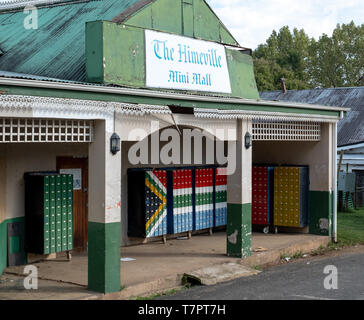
161	294
351	227
305	63
257	268
284	55
338	61
295	256
350	232
268	74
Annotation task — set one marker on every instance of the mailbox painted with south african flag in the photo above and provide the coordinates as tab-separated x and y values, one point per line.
147	201
175	200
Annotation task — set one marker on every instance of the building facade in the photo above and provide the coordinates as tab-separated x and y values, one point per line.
144	70
350	144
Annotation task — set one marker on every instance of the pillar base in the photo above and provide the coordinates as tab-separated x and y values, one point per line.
238	231
104	257
321	212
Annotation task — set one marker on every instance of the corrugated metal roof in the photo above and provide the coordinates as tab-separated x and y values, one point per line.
16	4
26	80
16	75
131	10
351	128
57	48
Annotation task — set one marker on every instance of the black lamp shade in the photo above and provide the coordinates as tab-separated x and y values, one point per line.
114	143
248	140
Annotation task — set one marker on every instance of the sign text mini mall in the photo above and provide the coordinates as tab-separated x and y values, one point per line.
177	62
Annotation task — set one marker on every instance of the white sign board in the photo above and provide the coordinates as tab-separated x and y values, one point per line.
77	177
175	62
346	182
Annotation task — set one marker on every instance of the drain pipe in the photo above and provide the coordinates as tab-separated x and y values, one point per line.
334	234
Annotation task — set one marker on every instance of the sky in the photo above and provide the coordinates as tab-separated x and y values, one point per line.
252	21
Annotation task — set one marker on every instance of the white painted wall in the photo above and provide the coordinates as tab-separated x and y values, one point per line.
318	155
21	158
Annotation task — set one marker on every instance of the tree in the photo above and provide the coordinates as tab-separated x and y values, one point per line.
284	55
269	73
336	61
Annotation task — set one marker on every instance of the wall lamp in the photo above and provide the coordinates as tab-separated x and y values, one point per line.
114	143
248	140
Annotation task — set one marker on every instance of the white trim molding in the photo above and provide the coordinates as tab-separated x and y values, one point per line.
263	116
60	108
351	147
93	88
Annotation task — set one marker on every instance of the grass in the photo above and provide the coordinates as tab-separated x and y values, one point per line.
296	255
257	268
166	293
324	249
351	227
350	232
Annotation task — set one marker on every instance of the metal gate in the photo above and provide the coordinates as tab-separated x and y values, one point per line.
359	190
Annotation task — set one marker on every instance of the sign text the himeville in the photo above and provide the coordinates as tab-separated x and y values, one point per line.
176	62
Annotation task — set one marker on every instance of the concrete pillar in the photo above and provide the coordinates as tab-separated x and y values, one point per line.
239	223
104	212
3	232
334	183
322	178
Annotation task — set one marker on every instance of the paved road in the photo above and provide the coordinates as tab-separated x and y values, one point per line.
301	280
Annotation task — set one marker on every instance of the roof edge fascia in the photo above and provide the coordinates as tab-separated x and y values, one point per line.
95	88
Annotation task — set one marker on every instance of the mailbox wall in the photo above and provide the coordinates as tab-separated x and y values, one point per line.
15	160
319	156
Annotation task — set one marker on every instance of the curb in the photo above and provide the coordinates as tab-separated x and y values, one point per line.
142	289
274	256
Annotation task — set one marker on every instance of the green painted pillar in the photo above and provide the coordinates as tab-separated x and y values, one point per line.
321	212
3	247
323	170
104	231
239	223
3	231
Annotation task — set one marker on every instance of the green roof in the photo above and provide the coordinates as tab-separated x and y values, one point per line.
57	48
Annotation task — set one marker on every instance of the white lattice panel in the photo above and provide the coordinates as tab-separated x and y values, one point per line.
43	130
286	131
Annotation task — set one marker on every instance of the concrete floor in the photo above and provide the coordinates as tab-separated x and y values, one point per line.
12	288
158	266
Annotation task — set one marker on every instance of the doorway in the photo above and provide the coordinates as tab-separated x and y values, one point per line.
79	168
